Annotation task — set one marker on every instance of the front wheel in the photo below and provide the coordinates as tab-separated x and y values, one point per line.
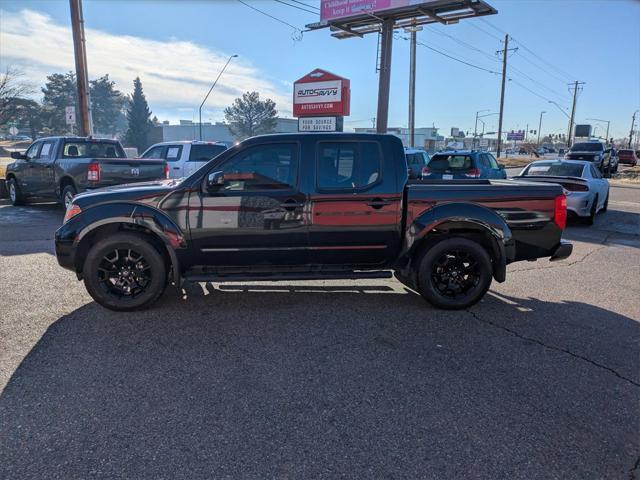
454	274
14	192
124	272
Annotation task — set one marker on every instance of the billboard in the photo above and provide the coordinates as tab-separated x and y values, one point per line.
519	135
582	131
321	93
339	9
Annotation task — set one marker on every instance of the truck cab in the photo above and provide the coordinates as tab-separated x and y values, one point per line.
184	157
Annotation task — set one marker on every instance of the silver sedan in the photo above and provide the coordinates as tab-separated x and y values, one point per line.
587	191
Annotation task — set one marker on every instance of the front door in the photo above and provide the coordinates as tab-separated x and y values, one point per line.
43	171
29	183
355	212
256	217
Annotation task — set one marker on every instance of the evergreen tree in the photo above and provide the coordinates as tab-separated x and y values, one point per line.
249	116
59	92
107	105
138	117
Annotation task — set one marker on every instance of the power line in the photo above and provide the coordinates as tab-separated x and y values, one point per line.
484	31
305	4
454	58
297	31
551	74
464	44
562	72
296	6
555	92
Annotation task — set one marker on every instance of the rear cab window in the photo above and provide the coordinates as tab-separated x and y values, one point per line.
348	165
79	148
554	169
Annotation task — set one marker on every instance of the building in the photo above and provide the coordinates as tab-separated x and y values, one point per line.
425	137
212	132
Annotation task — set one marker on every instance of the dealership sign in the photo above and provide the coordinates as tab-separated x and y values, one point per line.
320	124
519	135
321	93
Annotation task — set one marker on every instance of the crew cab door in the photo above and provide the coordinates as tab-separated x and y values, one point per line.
356	208
42	170
255	217
28	174
201	154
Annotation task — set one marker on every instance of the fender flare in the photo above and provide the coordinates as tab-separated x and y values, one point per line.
144	216
470	216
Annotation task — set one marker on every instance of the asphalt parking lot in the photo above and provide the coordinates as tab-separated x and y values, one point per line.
360	379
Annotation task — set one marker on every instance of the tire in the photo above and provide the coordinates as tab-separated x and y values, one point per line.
590	220
66	197
450	257
15	195
119	262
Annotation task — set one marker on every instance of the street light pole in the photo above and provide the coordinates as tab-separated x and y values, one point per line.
608	122
475	128
209	92
540	126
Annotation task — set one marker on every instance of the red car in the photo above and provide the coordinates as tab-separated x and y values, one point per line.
628	156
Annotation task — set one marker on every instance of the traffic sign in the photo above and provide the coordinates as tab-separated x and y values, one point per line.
70	115
13	131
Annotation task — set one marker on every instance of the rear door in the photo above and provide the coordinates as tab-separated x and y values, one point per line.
256	218
355	208
173	154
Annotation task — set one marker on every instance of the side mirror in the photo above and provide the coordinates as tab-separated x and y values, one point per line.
501	166
19	156
215	181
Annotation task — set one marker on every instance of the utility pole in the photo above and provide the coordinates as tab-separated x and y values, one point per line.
412	84
504	52
540	126
82	77
384	81
633	123
576	87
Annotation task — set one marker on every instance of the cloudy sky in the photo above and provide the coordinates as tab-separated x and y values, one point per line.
178	47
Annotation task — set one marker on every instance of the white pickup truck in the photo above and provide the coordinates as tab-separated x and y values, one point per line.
186	156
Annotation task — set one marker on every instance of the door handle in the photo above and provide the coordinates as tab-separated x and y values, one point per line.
291	204
176	168
378	203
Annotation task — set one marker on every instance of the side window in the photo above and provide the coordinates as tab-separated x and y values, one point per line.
492	161
173	153
267	167
46	153
595	173
484	161
348	165
155	152
32	152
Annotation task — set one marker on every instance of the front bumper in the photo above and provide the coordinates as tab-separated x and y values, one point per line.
562	251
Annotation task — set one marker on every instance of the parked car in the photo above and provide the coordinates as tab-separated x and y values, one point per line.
417	159
587	191
309	206
459	165
592	151
628	157
184	157
60	167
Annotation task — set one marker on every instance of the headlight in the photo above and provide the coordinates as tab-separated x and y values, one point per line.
71	212
596	158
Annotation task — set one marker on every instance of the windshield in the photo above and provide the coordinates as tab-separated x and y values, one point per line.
204	153
442	163
94	149
554	169
587	147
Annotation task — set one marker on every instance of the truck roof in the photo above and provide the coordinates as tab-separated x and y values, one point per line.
336	136
78	139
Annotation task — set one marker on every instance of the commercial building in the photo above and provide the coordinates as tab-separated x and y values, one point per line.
426	137
212	132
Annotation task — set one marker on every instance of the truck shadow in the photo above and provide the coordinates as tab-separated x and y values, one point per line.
314	381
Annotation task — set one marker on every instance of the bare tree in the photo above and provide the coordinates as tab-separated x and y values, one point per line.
13	88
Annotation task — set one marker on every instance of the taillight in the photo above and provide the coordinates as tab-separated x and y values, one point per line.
473	173
93	172
574	187
71	212
560	211
166	170
425	171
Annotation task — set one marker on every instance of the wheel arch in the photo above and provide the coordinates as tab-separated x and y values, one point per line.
471	221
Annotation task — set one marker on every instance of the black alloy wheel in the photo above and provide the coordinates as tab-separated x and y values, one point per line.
455	273
124	272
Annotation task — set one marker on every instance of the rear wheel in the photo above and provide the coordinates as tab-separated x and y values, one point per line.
124	272
590	220
455	273
14	192
68	192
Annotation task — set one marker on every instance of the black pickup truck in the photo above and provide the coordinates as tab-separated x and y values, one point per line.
309	206
59	167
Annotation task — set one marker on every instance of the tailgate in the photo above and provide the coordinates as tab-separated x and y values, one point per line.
128	170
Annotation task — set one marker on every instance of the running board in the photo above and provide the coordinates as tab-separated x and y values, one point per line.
284	276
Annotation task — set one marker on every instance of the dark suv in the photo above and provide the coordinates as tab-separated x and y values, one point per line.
460	165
